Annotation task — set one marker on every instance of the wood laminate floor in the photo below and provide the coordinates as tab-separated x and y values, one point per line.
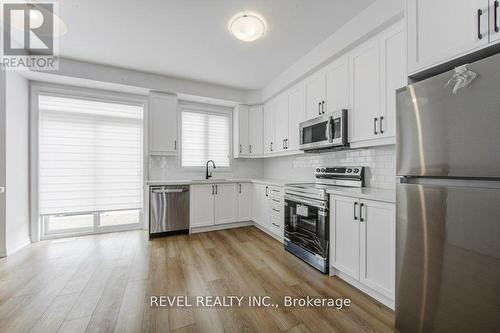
103	283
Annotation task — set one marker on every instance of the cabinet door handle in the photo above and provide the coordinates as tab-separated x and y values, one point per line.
495	15
381	126
319	108
240	188
216	190
175	144
271	146
267	194
375	126
283	144
286	143
361	212
354	213
250	148
479	14
276	210
240	149
323	107
213	190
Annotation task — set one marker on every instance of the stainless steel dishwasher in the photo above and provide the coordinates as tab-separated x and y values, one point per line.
168	209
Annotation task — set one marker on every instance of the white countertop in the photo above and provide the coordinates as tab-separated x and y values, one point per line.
362	193
369	193
275	182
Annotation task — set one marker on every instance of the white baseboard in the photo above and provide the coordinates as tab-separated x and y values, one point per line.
390	303
194	230
14	250
3	253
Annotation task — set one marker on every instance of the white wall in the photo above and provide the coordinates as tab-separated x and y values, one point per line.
376	17
17	162
380	163
2	163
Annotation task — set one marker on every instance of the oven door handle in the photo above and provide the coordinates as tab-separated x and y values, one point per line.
310	202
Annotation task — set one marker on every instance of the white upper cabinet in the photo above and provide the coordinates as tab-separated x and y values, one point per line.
366	96
394	76
296	114
337	85
439	31
225	203
315	95
163	124
494	21
269	127
281	122
244	201
241	131
255	130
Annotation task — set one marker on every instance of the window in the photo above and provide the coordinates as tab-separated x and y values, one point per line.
205	136
90	163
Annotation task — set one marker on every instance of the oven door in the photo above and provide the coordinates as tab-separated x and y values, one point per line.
329	130
306	224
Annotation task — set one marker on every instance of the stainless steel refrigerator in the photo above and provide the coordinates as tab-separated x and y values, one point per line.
448	201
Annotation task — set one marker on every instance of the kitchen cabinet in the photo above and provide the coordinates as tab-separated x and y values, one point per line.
315	94
345	236
296	115
281	122
365	87
494	30
201	205
378	69
212	204
226	203
260	204
378	246
439	31
363	242
241	131
269	127
163	124
244	201
255	130
337	85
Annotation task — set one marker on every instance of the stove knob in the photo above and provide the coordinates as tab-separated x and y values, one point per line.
323	170
349	170
356	170
318	170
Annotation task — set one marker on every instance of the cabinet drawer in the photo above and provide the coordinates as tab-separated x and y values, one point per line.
276	211
276	191
276	226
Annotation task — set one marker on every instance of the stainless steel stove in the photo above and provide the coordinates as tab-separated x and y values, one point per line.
307	213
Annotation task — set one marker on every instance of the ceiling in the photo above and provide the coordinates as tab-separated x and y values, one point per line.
189	38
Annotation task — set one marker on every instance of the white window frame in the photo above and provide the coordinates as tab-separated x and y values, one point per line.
40	88
206	109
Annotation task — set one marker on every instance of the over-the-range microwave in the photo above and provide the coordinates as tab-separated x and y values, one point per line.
328	131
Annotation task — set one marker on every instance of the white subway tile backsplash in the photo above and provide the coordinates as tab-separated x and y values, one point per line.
380	165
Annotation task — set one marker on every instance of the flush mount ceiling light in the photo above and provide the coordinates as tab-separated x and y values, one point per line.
247	27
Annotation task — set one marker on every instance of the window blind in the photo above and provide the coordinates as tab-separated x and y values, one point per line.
205	137
90	155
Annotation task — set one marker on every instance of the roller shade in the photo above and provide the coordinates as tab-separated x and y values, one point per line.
90	155
205	137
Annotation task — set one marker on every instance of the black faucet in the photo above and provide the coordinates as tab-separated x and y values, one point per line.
208	175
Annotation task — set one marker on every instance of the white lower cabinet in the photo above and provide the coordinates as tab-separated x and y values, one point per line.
213	204
244	201
202	206
225	203
362	234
